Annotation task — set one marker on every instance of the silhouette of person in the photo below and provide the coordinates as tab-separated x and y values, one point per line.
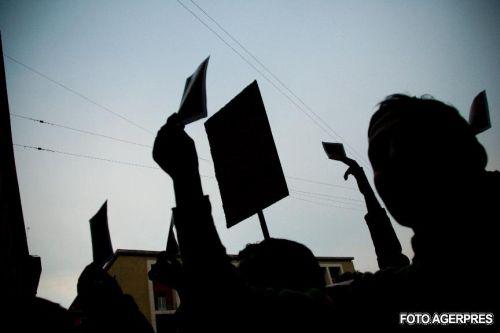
386	243
23	311
280	264
215	294
429	170
202	253
105	307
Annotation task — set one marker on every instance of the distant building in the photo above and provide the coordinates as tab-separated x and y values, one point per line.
158	302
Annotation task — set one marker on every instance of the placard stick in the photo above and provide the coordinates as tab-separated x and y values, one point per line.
263	224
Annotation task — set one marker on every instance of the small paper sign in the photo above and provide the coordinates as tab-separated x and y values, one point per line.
194	99
335	151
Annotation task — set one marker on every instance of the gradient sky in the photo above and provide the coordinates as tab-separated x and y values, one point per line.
132	57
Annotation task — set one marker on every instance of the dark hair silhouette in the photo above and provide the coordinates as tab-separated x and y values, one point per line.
419	144
280	264
429	121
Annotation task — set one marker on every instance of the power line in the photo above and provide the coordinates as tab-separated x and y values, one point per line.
133	123
91	157
126	163
41	121
74	92
325	200
323	204
88	99
317	182
86	156
323	122
252	65
44	122
324	195
136	125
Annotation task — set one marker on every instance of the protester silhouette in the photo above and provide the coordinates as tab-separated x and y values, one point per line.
23	311
199	244
280	264
105	307
429	170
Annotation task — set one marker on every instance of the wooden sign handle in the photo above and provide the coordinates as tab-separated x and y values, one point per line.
263	224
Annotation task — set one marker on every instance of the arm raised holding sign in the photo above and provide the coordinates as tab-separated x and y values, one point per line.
175	153
385	241
200	247
387	246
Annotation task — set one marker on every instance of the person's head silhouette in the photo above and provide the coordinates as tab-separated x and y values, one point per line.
280	264
423	155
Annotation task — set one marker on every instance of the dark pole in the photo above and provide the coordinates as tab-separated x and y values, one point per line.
12	230
263	224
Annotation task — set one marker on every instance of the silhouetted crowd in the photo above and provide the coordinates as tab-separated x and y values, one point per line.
429	170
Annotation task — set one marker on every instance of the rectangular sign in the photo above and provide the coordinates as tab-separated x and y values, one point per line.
194	99
479	114
335	151
246	161
102	250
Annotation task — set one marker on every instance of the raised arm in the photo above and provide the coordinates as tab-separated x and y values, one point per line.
207	271
387	246
175	153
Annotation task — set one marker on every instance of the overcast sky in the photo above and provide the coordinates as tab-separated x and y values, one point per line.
340	58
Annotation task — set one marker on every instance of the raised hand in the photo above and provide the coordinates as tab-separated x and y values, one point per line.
358	173
174	150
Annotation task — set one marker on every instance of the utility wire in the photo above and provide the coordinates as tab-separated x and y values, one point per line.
44	122
275	77
41	121
139	126
126	163
252	65
86	156
90	157
317	182
353	200
74	92
322	199
323	204
88	99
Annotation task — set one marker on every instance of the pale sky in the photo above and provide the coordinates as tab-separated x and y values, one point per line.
132	57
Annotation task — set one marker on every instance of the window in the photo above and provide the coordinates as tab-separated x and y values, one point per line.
160	303
335	272
164	297
328	281
332	273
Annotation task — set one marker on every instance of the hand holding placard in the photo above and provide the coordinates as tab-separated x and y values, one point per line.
102	250
479	115
194	99
335	151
